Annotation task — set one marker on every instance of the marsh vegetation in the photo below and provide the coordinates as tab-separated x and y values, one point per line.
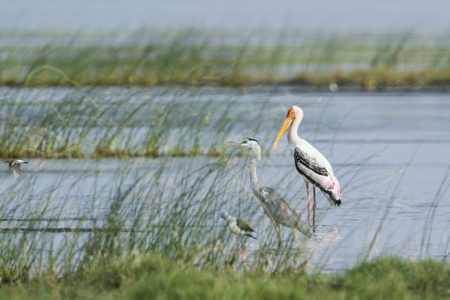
364	61
125	184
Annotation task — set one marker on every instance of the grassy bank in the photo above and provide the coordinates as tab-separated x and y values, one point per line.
141	276
100	123
195	57
104	123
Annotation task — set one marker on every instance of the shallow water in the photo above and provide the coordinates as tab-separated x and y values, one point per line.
398	15
388	150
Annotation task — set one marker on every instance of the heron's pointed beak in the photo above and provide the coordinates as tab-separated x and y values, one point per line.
231	144
287	122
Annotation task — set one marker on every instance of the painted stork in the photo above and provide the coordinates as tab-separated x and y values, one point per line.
310	163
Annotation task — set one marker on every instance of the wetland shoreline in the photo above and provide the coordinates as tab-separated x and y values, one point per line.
355	62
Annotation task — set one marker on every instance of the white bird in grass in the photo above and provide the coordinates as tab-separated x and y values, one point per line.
14	165
238	227
310	163
275	206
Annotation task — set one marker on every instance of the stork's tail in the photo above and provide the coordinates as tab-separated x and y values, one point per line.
338	202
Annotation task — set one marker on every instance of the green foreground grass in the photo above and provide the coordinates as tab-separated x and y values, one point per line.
194	57
142	276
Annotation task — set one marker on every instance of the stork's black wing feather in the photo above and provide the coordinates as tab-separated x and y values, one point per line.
307	161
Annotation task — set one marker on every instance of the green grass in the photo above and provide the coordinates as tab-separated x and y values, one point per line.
195	57
141	276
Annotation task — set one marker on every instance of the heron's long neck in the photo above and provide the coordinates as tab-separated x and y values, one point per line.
293	138
253	176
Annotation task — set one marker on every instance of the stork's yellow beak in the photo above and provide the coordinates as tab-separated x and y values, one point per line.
287	122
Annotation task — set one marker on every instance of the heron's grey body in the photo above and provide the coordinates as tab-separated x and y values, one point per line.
275	206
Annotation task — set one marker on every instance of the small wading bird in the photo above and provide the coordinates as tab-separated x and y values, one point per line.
310	163
275	206
14	165
238	227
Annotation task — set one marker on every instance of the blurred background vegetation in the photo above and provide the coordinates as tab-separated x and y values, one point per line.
365	61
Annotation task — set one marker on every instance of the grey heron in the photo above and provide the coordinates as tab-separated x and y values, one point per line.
275	206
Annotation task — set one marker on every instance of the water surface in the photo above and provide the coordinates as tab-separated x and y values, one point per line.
329	16
388	150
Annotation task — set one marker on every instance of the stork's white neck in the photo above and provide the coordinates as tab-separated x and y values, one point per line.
293	139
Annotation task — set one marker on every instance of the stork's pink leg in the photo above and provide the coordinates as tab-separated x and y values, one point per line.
309	204
314	205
